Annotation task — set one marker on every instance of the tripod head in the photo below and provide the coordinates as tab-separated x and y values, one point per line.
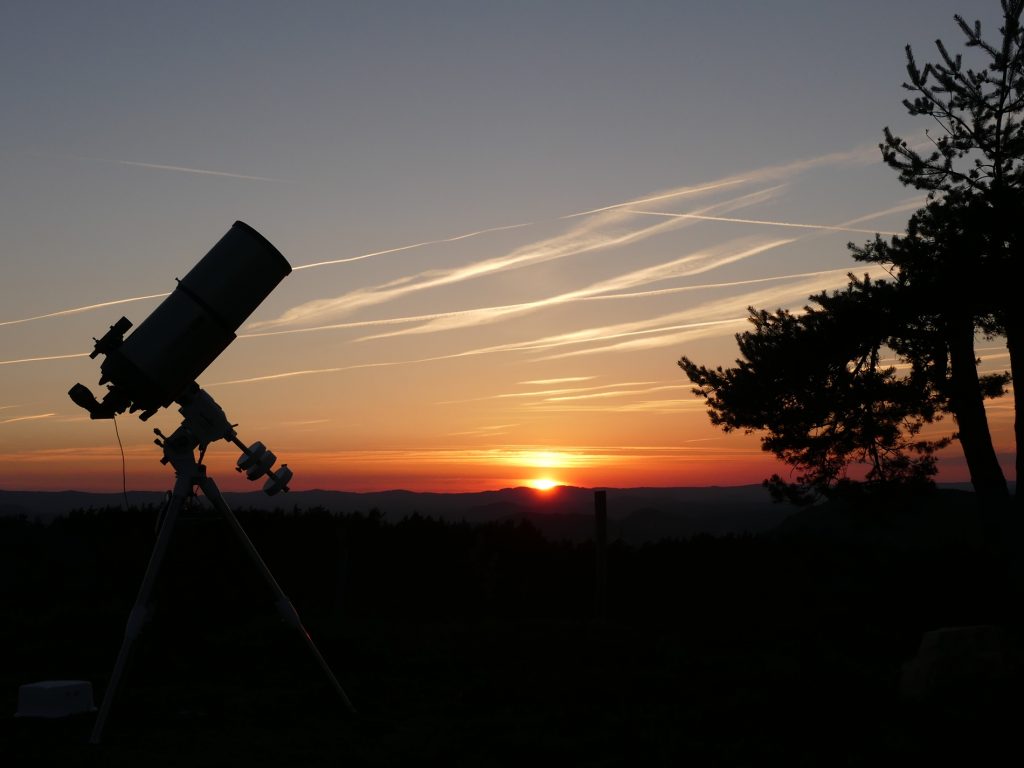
205	422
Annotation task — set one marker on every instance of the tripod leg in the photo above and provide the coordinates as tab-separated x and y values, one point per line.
284	605
182	490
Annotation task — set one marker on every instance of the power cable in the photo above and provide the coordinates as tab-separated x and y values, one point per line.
124	471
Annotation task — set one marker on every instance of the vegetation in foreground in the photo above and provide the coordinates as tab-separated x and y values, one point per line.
464	645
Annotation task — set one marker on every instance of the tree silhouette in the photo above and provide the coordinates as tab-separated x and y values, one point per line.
813	381
977	159
941	305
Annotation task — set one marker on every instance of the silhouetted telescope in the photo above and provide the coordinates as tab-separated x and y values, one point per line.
158	365
159	362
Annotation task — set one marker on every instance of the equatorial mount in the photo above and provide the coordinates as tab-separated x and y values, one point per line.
205	422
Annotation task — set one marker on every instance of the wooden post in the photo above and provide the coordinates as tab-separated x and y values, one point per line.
601	555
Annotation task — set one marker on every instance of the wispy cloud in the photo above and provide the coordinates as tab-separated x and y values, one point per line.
671	405
202	171
603	228
615	393
86	308
763	222
28	418
689	323
562	380
101	305
491	431
41	359
691	264
548	392
456	238
855	155
603	297
662	196
610	229
684	322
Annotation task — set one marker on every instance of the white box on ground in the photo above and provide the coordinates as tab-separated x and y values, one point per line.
55	698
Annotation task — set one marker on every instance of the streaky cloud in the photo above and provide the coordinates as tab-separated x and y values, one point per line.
602	297
680	192
86	308
691	264
617	393
763	222
860	154
201	171
683	320
562	380
606	230
34	417
41	359
348	259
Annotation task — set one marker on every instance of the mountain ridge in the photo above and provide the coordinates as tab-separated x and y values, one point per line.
635	514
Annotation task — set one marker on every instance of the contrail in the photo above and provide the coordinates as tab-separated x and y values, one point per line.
101	305
86	308
731	220
40	359
28	418
562	380
852	155
911	204
512	347
857	154
409	247
502	307
544	392
681	322
691	264
665	196
185	169
601	395
591	235
706	286
569	390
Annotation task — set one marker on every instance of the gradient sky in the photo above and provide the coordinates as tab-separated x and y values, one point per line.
420	164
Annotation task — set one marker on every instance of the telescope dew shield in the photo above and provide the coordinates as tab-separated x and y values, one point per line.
192	326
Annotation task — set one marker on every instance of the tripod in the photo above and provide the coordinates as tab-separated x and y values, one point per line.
205	421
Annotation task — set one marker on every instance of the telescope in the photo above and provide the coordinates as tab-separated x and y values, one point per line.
158	365
159	362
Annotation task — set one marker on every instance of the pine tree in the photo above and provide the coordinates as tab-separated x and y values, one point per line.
817	387
813	382
977	160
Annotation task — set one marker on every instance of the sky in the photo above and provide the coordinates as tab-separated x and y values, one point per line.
507	222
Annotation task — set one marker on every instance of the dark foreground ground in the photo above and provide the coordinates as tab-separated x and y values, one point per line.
479	646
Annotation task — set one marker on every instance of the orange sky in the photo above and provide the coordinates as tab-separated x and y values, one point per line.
507	223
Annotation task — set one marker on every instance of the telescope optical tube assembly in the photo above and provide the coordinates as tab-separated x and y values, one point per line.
159	361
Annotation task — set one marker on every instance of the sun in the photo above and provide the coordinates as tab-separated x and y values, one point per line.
543	483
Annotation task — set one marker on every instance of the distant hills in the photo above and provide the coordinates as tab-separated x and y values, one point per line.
635	515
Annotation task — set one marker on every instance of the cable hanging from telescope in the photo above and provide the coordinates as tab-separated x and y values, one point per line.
124	471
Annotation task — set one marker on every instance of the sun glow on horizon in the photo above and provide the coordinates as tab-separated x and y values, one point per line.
543	483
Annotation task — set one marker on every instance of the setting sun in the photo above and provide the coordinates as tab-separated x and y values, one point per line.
543	483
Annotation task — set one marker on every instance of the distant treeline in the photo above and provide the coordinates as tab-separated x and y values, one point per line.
362	566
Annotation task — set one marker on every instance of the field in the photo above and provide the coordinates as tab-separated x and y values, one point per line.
481	646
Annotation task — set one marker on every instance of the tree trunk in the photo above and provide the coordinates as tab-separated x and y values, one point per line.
968	408
1015	345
